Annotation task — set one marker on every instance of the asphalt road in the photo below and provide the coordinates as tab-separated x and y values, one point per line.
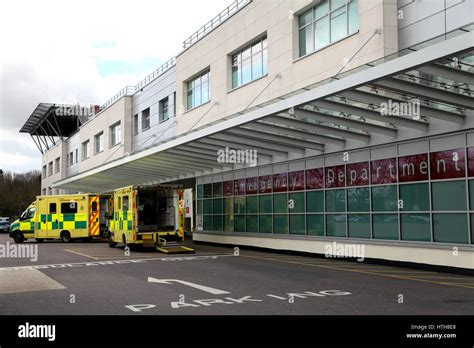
91	278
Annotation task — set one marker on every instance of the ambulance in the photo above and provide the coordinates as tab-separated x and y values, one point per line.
150	216
65	217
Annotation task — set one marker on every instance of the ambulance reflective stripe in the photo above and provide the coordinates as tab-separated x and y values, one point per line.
94	223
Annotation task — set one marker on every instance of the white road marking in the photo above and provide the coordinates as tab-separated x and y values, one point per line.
26	280
110	262
193	285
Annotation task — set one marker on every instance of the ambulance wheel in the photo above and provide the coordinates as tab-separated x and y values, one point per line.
18	238
66	236
111	243
40	240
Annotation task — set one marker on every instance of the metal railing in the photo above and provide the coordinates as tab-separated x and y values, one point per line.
127	91
236	6
131	90
157	73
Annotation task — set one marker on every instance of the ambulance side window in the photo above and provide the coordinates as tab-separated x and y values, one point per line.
69	208
52	208
119	205
94	206
30	214
125	203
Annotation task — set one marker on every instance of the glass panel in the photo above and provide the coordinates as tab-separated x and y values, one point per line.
384	198
315	224
239	205
298	201
416	227
207	223
280	203
449	195
199	191
471	194
217	206
217	223
359	225
265	204
321	36
265	62
315	201
385	226
336	4
256	47
306	40
228	223
199	207
280	224
472	228
306	18
444	232
321	10
252	223
217	189
297	225
236	79
205	92
265	223
246	53
257	66
252	204
228	207
336	200
353	16
190	100
358	199
338	24
207	190
335	225
239	225
207	206
246	71
197	96
415	197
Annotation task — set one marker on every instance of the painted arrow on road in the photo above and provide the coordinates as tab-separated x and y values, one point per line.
193	285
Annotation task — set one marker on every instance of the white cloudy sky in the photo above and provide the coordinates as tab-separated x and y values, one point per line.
82	51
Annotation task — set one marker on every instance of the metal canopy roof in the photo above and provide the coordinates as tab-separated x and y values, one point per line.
45	126
341	113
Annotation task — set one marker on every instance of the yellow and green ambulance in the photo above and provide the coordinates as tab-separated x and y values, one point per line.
151	216
65	217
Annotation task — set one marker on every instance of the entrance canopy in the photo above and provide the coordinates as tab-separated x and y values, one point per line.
417	92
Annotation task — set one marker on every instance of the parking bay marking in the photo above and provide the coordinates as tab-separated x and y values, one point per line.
193	285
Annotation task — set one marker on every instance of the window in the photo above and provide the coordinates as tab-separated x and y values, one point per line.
43	192
250	63
415	197
125	203
164	109
85	150
50	168
145	119
445	233
115	134
198	90
57	165
328	22
385	226
29	214
135	124
71	158
50	191
99	142
69	208
52	208
384	198
94	206
77	155
359	225
445	195
44	171
315	224
315	201
416	227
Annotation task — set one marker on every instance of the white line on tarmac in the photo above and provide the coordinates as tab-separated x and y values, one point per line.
114	262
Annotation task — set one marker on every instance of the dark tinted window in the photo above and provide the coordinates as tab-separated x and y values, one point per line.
52	208
69	208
